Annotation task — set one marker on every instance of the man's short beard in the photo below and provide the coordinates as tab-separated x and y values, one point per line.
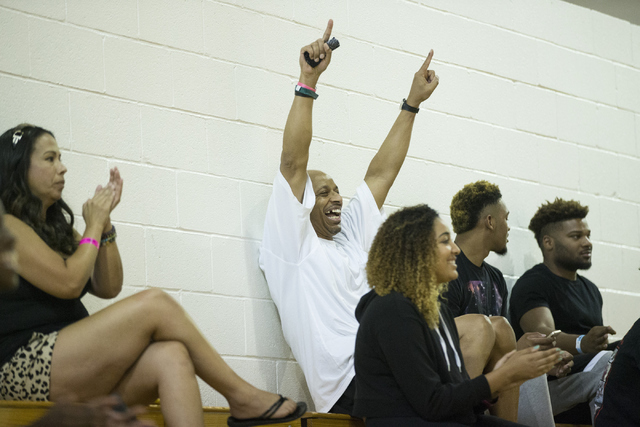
573	265
565	260
502	252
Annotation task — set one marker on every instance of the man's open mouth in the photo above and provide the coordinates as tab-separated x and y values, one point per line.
334	214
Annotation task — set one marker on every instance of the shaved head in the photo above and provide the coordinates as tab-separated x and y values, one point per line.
316	175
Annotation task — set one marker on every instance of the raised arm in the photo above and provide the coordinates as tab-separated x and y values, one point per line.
47	269
66	277
107	276
387	162
298	130
541	320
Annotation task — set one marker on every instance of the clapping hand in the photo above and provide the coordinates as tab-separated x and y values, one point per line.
563	367
523	365
115	182
546	342
531	339
97	209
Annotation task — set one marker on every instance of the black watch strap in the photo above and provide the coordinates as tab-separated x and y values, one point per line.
408	107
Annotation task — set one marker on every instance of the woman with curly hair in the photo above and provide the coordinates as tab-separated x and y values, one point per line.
409	369
142	347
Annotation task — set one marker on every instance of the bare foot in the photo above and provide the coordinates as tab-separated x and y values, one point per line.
254	403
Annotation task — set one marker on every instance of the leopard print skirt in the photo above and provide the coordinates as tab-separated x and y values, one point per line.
27	375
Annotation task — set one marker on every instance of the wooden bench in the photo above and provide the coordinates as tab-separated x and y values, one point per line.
317	419
14	414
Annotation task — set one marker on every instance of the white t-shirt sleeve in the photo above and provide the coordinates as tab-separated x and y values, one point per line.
288	233
362	218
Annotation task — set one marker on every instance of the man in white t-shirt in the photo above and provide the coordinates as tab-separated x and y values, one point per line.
313	251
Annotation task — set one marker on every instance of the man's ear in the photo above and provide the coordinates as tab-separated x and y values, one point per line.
489	222
547	242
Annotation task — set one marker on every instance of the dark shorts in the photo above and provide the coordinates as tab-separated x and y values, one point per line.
28	374
344	405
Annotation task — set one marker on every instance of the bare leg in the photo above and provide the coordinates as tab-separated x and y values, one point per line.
477	339
507	406
96	356
165	369
483	341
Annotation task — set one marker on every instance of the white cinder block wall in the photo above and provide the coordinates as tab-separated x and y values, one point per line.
189	98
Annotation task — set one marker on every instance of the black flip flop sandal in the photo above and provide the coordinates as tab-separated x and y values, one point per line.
266	419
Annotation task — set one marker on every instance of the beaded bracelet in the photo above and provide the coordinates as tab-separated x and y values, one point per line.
109	236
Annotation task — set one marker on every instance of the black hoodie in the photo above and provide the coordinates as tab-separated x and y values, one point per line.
405	369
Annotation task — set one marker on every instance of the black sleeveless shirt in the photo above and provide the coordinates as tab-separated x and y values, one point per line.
28	309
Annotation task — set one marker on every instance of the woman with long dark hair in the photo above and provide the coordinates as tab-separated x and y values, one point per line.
142	347
409	369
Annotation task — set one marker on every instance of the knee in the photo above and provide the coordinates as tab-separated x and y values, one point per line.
172	356
476	328
505	337
157	301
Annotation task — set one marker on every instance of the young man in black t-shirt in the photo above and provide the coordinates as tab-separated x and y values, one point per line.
478	289
576	305
479	217
552	296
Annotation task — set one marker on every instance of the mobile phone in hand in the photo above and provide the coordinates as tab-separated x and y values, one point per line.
333	45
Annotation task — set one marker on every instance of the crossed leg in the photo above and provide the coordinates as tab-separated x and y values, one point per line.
146	346
165	369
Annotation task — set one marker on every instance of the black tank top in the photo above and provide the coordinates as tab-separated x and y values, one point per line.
28	309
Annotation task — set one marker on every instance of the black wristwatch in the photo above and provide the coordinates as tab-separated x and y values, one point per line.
408	107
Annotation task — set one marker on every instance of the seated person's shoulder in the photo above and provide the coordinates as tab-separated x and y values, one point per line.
385	306
587	281
391	316
494	271
532	277
492	268
8	218
530	291
16	225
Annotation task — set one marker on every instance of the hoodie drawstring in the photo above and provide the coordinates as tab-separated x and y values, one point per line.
444	346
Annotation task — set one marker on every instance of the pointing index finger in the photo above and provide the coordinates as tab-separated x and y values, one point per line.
327	32
427	62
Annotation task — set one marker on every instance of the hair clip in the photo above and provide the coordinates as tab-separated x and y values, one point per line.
17	135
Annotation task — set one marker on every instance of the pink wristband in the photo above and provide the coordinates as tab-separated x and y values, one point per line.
94	242
306	87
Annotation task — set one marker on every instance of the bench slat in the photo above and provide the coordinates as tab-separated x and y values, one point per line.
14	414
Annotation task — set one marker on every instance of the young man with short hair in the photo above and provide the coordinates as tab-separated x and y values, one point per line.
553	296
479	218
